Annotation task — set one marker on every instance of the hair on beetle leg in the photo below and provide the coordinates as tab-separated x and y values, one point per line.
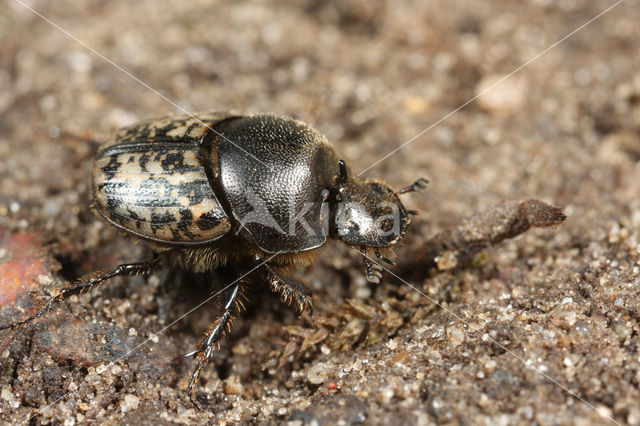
292	293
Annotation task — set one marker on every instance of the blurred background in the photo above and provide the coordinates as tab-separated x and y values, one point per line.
371	76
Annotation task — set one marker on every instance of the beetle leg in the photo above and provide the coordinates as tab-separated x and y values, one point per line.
291	292
213	338
85	284
373	270
383	258
417	186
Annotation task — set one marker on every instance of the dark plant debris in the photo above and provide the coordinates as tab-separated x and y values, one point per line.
458	246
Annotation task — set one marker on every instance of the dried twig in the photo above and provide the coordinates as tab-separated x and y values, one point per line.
457	247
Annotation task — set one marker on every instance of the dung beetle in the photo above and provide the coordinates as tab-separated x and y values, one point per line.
256	193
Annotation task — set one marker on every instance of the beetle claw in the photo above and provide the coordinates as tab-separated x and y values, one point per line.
185	356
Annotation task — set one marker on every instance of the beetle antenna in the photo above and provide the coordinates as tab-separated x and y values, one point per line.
417	186
413	212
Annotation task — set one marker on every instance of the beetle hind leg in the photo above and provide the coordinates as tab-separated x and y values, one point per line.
291	292
86	283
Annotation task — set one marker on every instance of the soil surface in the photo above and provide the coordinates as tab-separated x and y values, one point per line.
543	328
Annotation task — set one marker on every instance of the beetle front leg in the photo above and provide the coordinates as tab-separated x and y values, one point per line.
85	284
291	292
213	337
373	270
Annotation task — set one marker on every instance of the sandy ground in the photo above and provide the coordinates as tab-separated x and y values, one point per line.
543	328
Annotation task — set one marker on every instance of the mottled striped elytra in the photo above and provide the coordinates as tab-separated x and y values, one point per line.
258	194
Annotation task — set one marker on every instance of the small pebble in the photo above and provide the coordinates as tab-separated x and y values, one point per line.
633	418
455	335
6	395
318	373
129	402
501	97
233	386
448	260
385	395
622	329
490	366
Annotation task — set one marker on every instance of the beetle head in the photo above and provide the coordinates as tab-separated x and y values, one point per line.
366	213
